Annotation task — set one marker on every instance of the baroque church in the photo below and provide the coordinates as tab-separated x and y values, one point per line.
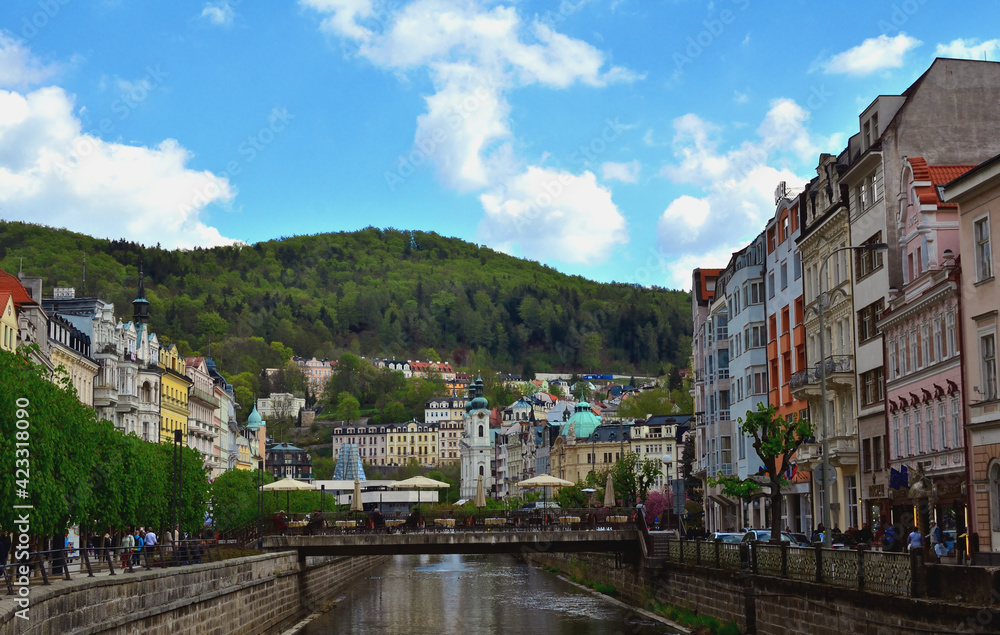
476	448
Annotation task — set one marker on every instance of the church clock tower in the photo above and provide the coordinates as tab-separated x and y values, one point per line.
476	447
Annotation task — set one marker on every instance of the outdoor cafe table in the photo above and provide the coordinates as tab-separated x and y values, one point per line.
617	519
297	523
394	523
446	522
569	520
495	521
347	524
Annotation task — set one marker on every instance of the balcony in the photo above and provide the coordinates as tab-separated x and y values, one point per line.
839	373
205	398
127	402
105	396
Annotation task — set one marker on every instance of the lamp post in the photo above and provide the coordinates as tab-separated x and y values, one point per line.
666	459
822	300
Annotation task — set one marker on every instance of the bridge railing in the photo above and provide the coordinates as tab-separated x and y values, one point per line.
549	519
863	569
38	567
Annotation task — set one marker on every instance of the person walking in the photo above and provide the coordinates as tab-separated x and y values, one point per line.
934	536
137	549
127	543
915	540
150	542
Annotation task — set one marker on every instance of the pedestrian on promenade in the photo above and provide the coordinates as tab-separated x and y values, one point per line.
934	536
127	543
915	540
151	542
137	548
5	543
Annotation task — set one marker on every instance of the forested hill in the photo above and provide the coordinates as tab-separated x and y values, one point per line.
374	292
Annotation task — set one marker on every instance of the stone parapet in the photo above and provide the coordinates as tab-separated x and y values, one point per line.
256	595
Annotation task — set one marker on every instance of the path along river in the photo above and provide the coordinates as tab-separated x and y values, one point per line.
465	595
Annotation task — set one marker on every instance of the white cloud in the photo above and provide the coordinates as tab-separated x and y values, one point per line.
218	12
549	213
475	55
737	186
874	54
741	97
53	173
18	67
969	49
624	172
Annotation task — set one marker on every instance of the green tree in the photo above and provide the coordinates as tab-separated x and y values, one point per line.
775	439
348	408
234	498
632	477
648	402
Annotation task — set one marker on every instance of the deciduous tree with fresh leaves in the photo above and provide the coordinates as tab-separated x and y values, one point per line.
775	440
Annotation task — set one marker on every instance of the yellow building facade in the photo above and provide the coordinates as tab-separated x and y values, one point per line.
413	440
174	409
8	322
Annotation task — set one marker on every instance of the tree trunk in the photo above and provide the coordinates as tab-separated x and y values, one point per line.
775	497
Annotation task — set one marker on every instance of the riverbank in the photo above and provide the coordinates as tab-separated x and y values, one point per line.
254	595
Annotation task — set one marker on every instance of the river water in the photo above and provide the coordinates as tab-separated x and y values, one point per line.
462	595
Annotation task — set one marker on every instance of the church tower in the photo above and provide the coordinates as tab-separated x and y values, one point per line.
476	447
140	306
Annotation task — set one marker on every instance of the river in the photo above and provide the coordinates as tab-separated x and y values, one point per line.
461	595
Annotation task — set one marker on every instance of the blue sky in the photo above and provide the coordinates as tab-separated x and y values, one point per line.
614	139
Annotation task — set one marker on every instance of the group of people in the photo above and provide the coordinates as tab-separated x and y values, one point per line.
131	545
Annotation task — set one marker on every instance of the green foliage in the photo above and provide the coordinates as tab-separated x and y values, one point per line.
323	468
348	408
83	471
698	622
373	292
632	477
649	402
775	439
234	498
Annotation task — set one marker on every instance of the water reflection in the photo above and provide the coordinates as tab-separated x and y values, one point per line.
458	595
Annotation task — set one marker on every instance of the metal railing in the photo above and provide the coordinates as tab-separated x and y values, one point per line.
862	569
548	519
60	563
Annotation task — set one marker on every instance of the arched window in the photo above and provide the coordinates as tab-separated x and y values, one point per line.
480	430
482	470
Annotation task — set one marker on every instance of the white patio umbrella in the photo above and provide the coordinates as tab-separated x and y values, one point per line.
609	492
418	483
287	485
543	481
480	494
356	503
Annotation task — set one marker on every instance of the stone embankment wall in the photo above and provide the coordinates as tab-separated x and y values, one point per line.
772	606
256	595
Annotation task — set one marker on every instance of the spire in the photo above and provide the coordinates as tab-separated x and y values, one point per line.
140	306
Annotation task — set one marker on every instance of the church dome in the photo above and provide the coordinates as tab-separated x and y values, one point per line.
584	421
254	421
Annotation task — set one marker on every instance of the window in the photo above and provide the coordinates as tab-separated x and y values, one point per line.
755	337
988	365
929	417
984	259
869	260
797	265
866	455
770	285
956	422
942	424
852	500
760	382
872	387
906	433
950	330
784	275
868	318
918	436
877	451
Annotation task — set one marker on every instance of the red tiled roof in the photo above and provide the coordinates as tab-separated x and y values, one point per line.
193	361
4	296
937	175
13	286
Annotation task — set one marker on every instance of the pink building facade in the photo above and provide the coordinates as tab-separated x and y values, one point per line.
923	354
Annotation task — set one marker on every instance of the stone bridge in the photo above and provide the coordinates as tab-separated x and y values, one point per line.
620	541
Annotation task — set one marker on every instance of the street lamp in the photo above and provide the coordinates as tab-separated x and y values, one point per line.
666	459
822	300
